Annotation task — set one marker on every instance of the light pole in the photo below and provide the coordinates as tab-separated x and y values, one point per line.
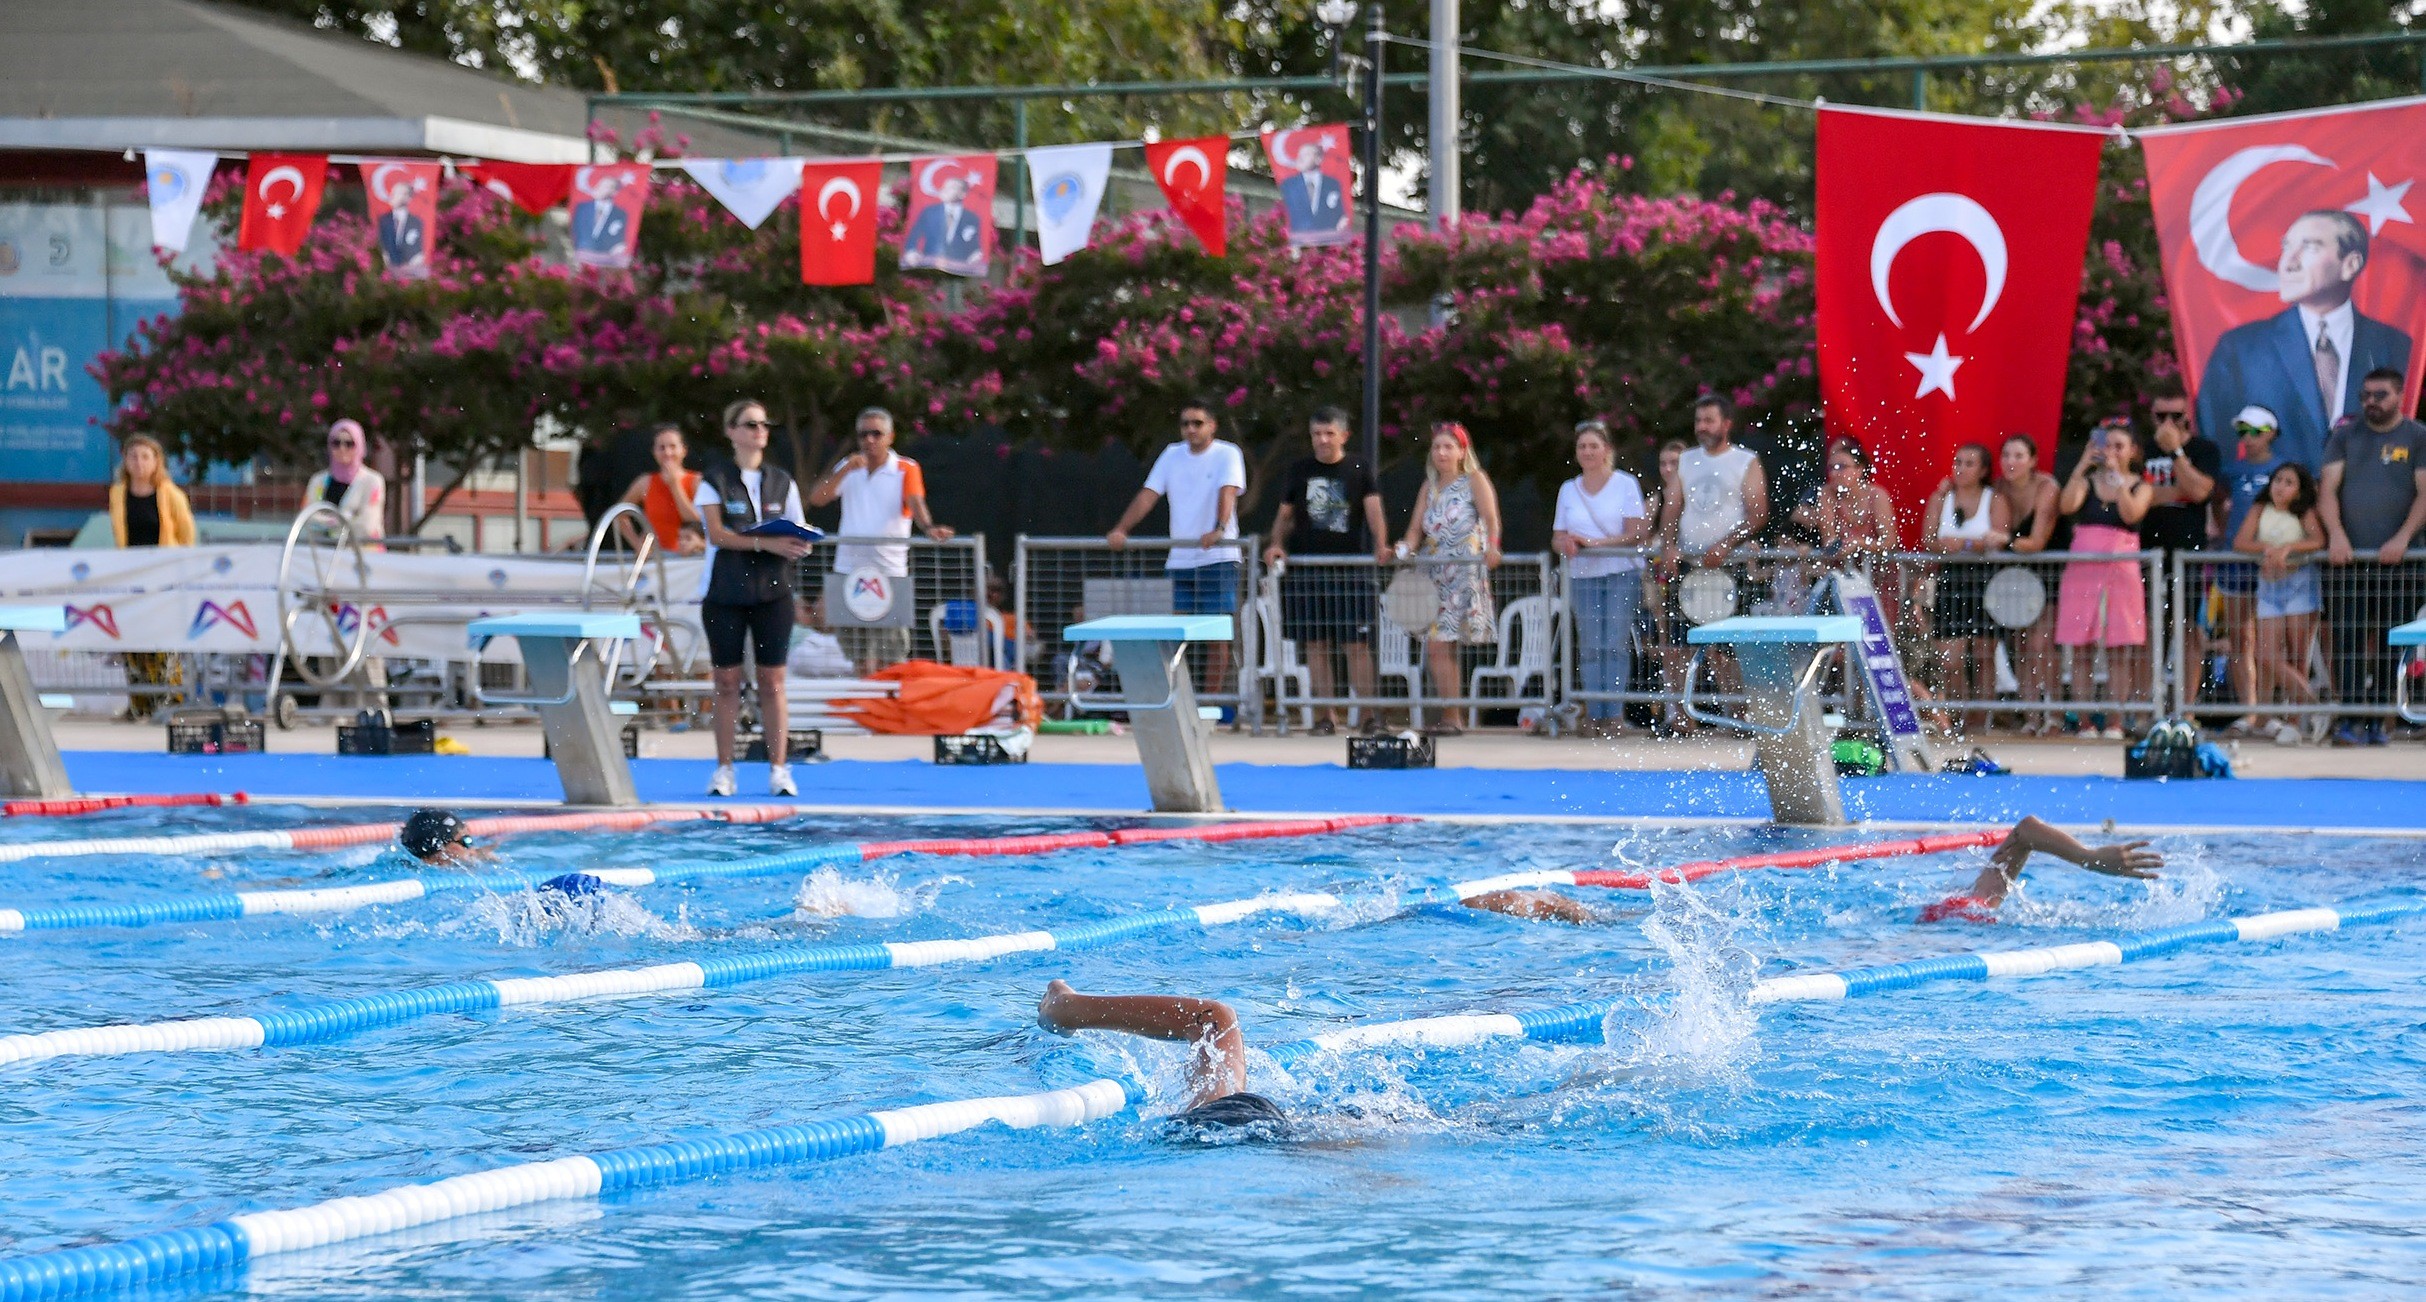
1376	37
1335	15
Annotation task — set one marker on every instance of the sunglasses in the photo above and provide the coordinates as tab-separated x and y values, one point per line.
342	443
1194	424
873	433
753	424
2172	417
2251	431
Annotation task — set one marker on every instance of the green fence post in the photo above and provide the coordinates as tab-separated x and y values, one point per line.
1019	176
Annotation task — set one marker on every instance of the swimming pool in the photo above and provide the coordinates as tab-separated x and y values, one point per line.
2233	1117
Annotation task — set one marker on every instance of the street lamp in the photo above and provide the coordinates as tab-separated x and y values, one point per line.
1335	15
1376	37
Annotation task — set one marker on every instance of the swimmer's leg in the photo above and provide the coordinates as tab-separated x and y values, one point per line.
1533	906
1217	1069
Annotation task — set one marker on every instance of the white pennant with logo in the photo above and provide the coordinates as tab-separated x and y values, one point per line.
175	179
749	188
1068	181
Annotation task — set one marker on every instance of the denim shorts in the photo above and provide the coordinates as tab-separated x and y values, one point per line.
1205	589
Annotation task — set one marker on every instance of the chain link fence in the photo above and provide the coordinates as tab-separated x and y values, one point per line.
2290	652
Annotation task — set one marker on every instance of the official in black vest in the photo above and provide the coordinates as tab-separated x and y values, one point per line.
748	598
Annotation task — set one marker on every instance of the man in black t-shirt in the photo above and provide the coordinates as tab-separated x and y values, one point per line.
1330	507
2182	468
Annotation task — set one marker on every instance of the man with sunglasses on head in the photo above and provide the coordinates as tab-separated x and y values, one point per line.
2372	498
1203	477
883	493
747	595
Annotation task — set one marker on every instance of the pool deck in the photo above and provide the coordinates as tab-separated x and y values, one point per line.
1493	776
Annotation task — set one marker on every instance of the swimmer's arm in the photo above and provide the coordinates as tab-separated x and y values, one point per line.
1533	906
1219	1066
2034	834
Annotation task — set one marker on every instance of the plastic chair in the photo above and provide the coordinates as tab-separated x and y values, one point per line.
1526	628
964	644
1394	657
1281	664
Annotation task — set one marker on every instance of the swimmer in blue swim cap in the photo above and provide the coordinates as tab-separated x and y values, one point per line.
2034	835
1218	1099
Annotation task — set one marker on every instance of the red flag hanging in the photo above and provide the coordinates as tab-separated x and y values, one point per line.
2321	203
1949	270
281	195
838	223
404	214
950	225
606	223
1192	174
1311	164
534	187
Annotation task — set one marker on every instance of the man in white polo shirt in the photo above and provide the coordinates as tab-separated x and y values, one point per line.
1202	476
882	494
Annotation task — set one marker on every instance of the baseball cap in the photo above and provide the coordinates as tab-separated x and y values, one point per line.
2256	417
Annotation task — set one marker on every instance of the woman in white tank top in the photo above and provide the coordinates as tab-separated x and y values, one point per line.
1966	518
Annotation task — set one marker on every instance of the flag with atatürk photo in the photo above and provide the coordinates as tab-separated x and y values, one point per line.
1311	165
1069	184
1193	174
950	224
174	180
403	201
606	218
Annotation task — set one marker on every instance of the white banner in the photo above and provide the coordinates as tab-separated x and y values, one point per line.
175	179
225	599
1069	184
749	188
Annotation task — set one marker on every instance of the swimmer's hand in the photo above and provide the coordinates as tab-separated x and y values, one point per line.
2124	859
2128	859
1049	1009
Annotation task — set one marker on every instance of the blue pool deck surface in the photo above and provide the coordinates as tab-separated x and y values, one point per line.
2246	803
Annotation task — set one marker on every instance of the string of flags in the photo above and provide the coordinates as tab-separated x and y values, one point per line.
948	225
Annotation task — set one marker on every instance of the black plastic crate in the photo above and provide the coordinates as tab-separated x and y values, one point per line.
975	748
2161	762
216	737
414	737
801	745
1390	752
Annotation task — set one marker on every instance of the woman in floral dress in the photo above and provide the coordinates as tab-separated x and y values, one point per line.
1456	516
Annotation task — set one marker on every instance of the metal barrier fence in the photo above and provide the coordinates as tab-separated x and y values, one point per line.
2292	651
1057	582
1398	631
950	617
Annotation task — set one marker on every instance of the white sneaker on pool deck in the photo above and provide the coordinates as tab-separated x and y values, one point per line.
720	783
779	780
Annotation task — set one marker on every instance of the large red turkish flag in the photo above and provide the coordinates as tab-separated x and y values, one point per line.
838	223
1193	174
1949	272
2276	229
281	195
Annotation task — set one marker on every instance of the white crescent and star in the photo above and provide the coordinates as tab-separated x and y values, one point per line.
2382	204
926	176
849	189
1953	214
1187	154
380	186
283	172
2211	214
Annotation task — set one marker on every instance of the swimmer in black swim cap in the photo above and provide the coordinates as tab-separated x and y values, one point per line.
1217	1071
439	838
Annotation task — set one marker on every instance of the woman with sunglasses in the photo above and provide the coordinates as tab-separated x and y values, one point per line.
746	595
358	492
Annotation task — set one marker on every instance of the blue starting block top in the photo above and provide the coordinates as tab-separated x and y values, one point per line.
2412	633
1152	628
33	619
572	624
1777	629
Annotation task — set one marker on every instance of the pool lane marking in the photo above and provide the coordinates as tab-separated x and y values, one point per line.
1585	1022
1693	872
226	905
165	1258
329	838
73	805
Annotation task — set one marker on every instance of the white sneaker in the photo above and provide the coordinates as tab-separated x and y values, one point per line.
779	780
720	783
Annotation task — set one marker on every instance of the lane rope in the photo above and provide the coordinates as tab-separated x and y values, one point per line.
329	838
170	1256
221	906
95	804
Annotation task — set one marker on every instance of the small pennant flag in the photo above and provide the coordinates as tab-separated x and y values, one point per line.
749	188
281	196
1069	184
175	180
1311	164
606	223
1192	174
404	214
534	187
838	223
950	224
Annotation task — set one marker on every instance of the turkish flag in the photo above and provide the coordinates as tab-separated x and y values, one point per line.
534	187
2275	229
838	223
1193	174
403	203
1949	271
281	195
1317	190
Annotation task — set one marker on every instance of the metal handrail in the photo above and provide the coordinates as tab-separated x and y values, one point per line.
1802	693
1171	672
653	631
572	684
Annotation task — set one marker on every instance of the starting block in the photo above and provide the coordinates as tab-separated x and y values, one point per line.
1781	658
29	755
571	661
1173	739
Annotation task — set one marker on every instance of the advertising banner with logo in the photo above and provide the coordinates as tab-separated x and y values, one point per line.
2293	261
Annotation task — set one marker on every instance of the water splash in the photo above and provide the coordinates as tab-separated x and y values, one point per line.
528	918
826	893
1699	1028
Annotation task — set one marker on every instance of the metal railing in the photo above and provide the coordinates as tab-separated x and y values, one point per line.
2297	649
952	620
1057	582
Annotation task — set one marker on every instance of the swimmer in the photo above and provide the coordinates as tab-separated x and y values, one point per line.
1218	1098
1535	906
2034	835
439	838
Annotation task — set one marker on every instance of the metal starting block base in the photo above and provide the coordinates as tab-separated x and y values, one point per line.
567	659
1174	742
1781	657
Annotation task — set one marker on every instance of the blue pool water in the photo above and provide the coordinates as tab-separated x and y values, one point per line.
2232	1119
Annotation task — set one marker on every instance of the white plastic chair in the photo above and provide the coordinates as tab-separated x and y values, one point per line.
1526	627
1281	665
1394	657
961	648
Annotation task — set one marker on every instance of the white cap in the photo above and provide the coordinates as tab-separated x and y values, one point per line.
2257	417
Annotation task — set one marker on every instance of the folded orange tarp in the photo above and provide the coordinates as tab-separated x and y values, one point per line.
944	700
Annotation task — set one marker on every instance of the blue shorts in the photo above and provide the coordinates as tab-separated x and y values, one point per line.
2236	580
1205	589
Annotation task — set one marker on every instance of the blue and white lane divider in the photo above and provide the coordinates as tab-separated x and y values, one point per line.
337	1018
165	1258
225	905
1586	1022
